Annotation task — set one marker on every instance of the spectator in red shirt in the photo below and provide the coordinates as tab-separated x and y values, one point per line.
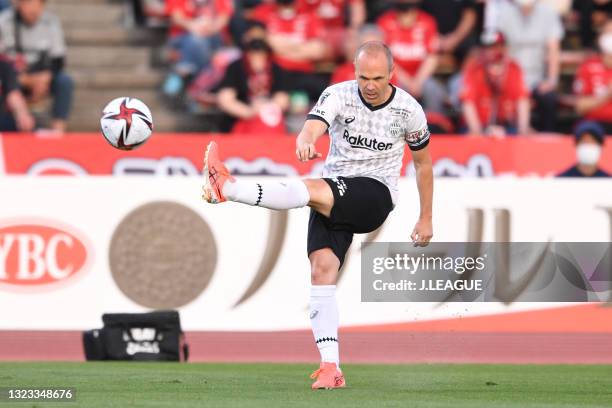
195	33
593	83
332	12
494	95
332	15
412	36
296	39
346	71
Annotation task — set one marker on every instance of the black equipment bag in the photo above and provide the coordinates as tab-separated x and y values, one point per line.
154	336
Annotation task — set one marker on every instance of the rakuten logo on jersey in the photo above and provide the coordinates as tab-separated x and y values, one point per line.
361	142
34	255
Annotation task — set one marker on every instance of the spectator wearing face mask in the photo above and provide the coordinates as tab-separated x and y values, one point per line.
589	142
495	98
412	36
534	31
593	83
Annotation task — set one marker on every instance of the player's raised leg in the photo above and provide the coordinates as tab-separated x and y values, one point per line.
324	318
220	186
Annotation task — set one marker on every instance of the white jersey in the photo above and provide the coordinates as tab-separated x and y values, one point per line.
366	140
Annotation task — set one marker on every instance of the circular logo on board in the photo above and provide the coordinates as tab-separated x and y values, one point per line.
162	255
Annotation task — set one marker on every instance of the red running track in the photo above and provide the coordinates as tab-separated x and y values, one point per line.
566	335
356	347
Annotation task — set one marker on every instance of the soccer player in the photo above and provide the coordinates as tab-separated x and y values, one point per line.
369	122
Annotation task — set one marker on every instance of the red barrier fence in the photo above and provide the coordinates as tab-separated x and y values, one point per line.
247	154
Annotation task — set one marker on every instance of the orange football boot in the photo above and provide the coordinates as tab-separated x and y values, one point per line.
215	175
328	376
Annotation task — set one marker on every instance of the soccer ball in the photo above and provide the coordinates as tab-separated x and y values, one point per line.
126	123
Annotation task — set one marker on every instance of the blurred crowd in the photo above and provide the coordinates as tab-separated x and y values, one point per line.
35	92
495	67
479	67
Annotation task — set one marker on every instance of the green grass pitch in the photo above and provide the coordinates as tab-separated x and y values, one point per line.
176	385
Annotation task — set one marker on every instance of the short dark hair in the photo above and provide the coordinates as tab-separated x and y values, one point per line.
591	127
373	47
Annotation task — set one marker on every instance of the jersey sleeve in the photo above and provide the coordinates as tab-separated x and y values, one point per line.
327	107
417	132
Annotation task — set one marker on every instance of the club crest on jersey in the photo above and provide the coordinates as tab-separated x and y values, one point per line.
362	142
396	128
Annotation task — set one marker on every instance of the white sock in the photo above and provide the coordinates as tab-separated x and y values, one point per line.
324	321
275	195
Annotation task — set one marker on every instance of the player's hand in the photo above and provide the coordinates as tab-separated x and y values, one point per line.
422	233
306	151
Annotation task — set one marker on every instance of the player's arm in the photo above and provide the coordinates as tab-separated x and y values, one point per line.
305	143
423	230
318	121
417	138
